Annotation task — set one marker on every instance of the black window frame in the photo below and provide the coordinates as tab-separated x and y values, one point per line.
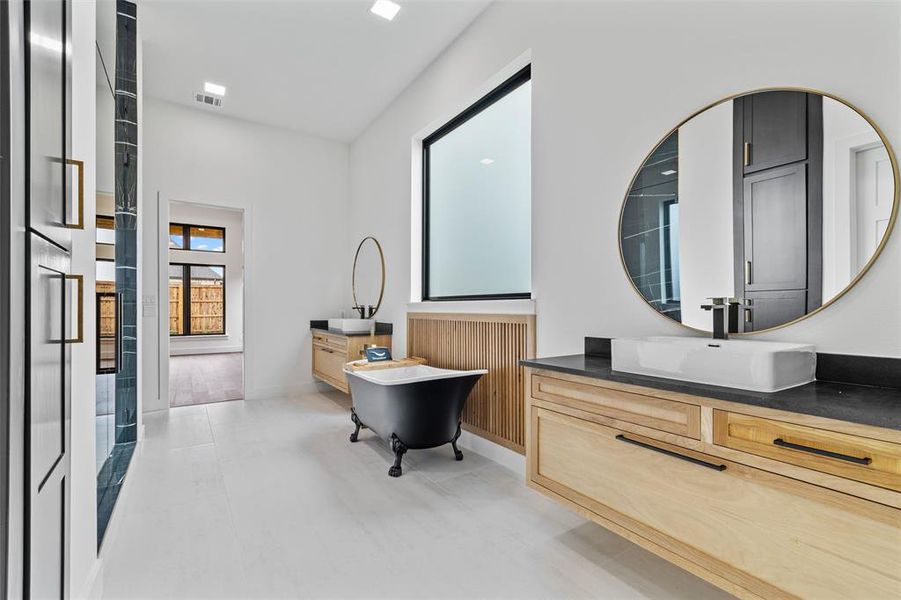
520	78
186	236
186	305
117	339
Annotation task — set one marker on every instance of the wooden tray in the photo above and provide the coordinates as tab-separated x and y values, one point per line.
386	364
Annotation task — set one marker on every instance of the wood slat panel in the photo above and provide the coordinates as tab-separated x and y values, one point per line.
495	409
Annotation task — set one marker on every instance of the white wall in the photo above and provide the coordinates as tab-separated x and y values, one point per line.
609	79
83	497
706	234
233	259
293	191
106	139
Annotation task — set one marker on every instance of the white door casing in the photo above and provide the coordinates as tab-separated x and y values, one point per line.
873	190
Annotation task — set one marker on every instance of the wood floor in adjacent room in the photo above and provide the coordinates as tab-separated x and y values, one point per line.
269	499
204	378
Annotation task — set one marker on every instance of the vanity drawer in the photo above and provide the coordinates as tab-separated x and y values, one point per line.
320	337
767	534
863	459
328	364
338	342
657	413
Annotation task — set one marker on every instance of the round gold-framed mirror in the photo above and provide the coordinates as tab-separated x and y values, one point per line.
781	198
368	277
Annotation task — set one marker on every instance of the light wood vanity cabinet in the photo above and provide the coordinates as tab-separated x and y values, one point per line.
716	503
331	351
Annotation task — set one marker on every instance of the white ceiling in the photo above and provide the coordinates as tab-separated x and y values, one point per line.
327	68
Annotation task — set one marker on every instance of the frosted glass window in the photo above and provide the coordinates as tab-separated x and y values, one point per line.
478	199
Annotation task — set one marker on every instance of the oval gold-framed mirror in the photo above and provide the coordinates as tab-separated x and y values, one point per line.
782	198
368	277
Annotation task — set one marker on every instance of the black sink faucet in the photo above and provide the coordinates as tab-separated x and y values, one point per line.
725	316
366	312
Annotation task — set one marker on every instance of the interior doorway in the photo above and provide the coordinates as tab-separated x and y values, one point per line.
873	198
205	298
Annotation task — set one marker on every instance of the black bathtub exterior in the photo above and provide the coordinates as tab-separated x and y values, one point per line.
416	415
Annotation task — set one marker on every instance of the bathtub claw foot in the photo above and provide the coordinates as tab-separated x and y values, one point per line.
457	454
356	420
399	450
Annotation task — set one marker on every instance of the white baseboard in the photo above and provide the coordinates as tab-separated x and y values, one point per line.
505	457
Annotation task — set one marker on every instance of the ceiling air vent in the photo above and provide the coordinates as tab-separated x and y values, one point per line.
208	100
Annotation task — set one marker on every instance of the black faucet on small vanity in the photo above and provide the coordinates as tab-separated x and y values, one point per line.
725	316
366	312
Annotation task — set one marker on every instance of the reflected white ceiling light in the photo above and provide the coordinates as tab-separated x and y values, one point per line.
385	9
48	43
486	161
214	88
668	172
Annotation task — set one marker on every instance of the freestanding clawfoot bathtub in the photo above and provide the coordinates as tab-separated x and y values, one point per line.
411	407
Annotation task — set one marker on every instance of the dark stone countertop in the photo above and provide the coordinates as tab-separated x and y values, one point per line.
344	333
876	406
322	325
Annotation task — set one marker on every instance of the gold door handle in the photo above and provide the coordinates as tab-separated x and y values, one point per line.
79	335
747	154
77	205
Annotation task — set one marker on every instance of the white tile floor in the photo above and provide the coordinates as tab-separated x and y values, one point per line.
268	499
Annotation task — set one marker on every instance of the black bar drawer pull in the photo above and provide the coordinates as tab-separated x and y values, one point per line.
859	461
690	459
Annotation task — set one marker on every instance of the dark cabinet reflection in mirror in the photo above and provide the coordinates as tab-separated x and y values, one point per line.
782	198
778	206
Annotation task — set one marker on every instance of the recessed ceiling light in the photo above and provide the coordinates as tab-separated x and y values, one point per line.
668	172
385	9
486	161
214	88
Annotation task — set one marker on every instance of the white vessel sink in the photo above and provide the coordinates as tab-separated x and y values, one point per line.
351	325
743	364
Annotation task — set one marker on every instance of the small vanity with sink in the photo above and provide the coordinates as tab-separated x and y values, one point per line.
769	468
335	347
338	341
